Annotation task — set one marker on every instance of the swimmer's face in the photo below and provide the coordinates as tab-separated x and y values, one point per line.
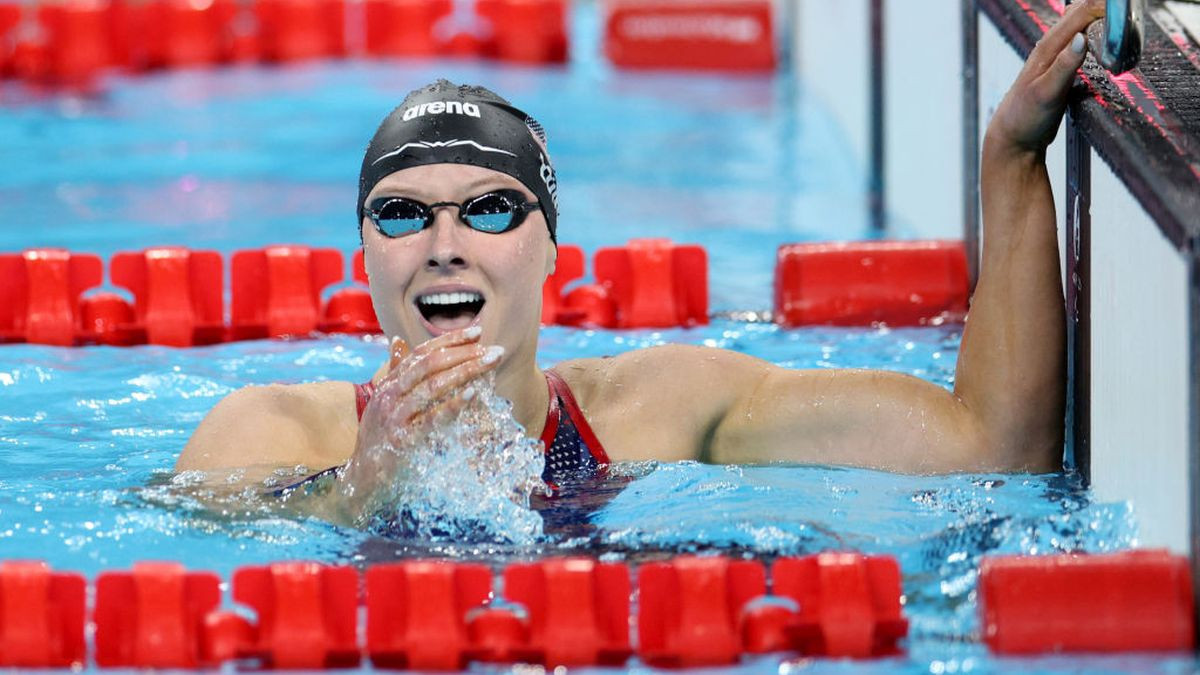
419	281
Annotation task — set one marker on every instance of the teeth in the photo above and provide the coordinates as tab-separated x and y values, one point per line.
449	298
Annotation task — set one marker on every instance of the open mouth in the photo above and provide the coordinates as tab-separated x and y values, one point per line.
450	310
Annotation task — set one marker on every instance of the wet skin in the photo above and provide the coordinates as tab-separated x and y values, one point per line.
680	402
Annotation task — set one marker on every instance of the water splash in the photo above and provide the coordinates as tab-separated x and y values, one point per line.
470	478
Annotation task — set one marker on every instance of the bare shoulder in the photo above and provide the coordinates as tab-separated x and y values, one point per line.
666	366
660	402
275	425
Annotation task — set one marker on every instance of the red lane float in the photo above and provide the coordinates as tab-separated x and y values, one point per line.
404	27
193	33
39	295
736	35
694	611
900	283
153	617
72	42
10	18
349	310
417	613
277	290
708	611
568	267
849	604
527	31
648	283
78	37
41	616
297	30
178	295
307	616
688	609
1130	601
578	611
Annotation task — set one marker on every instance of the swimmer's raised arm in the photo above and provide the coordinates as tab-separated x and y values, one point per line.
1012	365
1006	411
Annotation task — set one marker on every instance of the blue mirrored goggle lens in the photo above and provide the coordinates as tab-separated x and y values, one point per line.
398	217
490	213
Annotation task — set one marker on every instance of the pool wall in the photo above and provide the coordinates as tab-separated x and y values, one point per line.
1133	412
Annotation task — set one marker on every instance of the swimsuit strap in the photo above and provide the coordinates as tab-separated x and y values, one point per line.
560	390
362	395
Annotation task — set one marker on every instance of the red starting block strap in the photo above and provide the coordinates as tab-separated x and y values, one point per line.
416	613
1131	601
849	604
578	610
153	617
41	616
691	34
307	617
277	290
655	283
350	310
900	283
688	609
567	268
178	294
39	294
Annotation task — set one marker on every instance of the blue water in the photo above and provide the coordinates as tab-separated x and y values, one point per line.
241	158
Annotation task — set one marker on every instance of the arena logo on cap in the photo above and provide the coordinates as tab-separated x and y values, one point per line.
440	108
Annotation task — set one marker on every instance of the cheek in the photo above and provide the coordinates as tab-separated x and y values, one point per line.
389	262
389	266
523	267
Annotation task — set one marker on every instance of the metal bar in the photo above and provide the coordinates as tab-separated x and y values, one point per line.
1079	277
877	186
970	139
1193	259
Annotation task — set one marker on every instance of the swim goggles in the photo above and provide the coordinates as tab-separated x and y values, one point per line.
494	213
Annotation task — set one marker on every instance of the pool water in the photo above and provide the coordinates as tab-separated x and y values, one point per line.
241	158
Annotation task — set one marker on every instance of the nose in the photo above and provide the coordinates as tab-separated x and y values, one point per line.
446	249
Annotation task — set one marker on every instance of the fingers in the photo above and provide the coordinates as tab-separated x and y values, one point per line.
397	351
444	383
1053	84
459	337
424	366
446	410
1076	19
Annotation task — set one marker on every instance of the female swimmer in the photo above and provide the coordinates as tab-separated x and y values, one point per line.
458	220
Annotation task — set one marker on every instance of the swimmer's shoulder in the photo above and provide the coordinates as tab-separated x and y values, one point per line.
314	424
662	367
660	402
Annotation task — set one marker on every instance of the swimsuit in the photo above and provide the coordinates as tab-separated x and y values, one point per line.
573	453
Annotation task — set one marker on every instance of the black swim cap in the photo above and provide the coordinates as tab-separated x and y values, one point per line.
445	123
